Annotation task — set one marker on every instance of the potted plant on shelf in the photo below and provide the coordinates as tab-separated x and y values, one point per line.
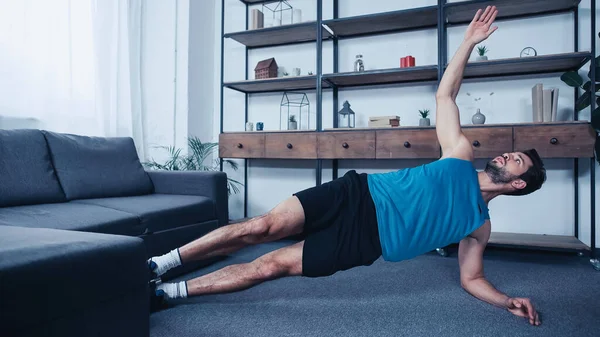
424	121
573	79
292	124
481	51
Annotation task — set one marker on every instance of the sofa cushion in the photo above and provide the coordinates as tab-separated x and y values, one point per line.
158	212
97	167
26	173
72	216
50	275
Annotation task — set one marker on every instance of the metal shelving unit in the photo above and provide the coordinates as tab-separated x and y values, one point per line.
440	17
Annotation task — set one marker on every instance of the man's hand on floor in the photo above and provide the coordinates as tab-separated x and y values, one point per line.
522	307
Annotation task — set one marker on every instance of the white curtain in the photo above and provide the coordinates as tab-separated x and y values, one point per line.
117	43
74	65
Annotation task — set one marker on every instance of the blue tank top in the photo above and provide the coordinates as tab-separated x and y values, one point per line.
426	207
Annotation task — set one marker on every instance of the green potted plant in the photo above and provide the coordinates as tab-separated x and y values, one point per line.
481	51
573	79
424	121
292	124
194	161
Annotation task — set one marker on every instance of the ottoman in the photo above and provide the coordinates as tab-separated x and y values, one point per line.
68	283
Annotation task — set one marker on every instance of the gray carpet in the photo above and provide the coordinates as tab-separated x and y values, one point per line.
419	297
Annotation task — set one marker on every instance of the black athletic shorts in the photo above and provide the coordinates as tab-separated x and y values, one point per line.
340	229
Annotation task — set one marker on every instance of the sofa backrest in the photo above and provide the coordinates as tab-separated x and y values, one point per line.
97	167
26	172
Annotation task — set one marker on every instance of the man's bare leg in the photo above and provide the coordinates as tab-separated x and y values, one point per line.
283	262
286	219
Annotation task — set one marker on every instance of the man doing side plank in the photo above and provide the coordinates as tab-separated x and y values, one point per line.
353	220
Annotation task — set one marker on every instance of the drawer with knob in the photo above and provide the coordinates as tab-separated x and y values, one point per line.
402	143
346	145
489	142
291	145
556	141
241	145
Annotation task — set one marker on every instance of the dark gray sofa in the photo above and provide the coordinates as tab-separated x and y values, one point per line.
79	216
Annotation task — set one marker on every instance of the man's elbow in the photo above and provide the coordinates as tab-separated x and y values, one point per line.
443	96
467	282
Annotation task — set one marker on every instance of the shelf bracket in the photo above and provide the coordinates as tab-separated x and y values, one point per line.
329	30
330	83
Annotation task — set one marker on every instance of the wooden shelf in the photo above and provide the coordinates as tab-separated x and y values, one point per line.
416	127
383	76
255	2
519	66
551	140
570	243
275	84
463	12
277	36
268	131
416	18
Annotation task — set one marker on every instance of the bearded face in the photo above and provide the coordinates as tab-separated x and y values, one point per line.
498	174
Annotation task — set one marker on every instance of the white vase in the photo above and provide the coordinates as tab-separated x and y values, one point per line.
292	125
481	58
424	122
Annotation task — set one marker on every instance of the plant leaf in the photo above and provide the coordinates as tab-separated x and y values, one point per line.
596	119
589	74
588	86
597	148
583	102
572	79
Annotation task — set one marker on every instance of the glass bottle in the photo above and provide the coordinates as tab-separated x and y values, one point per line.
358	63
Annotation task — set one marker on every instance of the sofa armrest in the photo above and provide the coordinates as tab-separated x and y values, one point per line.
211	184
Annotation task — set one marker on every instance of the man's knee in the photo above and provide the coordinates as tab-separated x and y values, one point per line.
257	230
270	267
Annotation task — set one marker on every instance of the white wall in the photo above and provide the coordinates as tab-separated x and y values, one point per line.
549	211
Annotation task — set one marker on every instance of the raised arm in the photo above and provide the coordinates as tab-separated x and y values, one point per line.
450	136
472	279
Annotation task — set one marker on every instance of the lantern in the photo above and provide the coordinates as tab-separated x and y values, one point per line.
346	117
294	111
278	12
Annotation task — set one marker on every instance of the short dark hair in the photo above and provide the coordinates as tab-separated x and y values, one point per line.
534	177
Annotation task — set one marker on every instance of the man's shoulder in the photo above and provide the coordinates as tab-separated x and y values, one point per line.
462	150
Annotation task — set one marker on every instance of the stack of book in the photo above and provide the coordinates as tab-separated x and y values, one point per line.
384	121
544	103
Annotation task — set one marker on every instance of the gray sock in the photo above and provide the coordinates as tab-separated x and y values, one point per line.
174	290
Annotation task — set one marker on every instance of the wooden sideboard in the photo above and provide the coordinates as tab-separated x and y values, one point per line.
551	140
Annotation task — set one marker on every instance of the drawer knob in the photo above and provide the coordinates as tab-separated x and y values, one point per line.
240	145
289	146
345	145
406	144
553	141
476	143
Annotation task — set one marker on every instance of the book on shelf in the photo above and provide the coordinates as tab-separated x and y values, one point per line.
258	19
544	103
384	121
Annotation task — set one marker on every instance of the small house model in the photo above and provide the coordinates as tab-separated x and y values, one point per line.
266	69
